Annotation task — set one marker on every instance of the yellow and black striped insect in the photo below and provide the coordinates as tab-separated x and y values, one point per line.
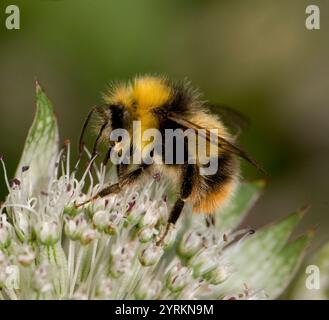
163	104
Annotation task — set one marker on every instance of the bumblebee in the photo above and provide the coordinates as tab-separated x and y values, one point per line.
164	104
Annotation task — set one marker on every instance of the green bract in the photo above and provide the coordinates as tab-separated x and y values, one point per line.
313	281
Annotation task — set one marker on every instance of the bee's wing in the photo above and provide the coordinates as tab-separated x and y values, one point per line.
231	117
223	143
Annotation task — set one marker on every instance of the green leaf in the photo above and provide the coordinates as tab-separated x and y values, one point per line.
315	273
284	266
41	146
246	195
266	261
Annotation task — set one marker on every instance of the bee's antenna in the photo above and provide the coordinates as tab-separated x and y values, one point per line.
81	142
98	138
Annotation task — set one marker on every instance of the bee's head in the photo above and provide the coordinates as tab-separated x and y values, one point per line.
108	118
112	120
126	102
141	95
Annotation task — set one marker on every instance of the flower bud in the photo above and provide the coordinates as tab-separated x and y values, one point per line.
150	255
190	244
135	215
146	234
150	217
116	269
217	275
101	220
178	278
26	256
203	263
75	226
163	212
170	237
22	226
115	219
88	235
48	232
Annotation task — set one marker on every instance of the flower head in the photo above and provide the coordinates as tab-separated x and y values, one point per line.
109	249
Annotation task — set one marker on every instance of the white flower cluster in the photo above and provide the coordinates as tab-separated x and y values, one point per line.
106	249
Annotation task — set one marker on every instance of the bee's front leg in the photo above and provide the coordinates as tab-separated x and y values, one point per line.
125	180
173	217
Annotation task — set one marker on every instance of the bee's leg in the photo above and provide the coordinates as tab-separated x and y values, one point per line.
125	180
98	138
122	170
173	217
210	220
107	156
94	151
185	192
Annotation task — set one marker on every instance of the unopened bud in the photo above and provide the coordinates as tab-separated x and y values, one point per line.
48	232
88	236
22	226
178	278
190	244
146	234
163	213
101	220
135	215
75	226
170	237
27	256
150	255
203	263
115	219
217	275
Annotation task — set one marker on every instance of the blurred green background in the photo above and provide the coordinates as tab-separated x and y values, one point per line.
256	56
